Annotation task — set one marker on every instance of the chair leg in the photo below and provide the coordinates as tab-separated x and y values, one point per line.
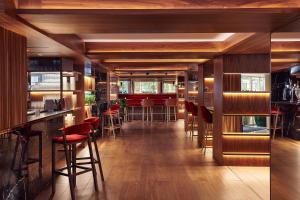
69	171
93	164
151	112
275	126
282	126
53	168
103	118
15	152
175	111
112	125
40	155
143	114
74	163
192	131
98	156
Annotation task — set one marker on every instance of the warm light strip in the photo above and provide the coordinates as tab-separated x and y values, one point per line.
158	37
48	92
246	133
209	79
283	60
154	60
246	93
247	137
285	40
245	154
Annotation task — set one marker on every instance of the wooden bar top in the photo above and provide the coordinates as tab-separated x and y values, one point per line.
44	116
295	103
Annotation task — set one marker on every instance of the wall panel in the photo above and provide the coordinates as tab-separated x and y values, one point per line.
13	79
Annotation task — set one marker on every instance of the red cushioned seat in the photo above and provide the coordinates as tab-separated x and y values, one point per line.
193	108
109	112
70	138
206	115
275	111
94	121
115	107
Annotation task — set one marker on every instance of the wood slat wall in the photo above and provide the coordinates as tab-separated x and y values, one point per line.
13	79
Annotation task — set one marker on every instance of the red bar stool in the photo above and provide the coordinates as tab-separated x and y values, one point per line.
171	103
110	126
277	116
194	111
95	122
24	135
208	122
72	136
148	104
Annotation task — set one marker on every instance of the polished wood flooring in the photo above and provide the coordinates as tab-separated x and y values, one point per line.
159	162
285	169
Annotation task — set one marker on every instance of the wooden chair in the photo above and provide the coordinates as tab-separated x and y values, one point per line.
194	111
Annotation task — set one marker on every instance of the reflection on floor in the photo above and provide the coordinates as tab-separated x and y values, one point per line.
285	169
159	162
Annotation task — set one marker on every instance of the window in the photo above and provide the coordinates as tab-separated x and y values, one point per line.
144	87
253	82
169	87
124	87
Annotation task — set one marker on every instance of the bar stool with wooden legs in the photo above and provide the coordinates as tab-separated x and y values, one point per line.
208	122
148	105
108	118
95	122
170	103
188	120
194	111
24	135
277	117
71	136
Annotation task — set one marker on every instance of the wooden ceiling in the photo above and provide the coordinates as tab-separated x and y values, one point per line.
62	27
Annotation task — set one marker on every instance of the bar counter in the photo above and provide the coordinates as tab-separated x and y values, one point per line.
11	185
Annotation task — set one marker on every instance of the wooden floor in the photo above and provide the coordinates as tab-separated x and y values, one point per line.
158	162
285	169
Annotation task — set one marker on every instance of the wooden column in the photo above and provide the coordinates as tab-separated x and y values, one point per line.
13	79
80	114
232	146
200	103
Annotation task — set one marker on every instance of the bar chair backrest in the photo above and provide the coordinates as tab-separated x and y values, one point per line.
206	115
187	106
83	128
193	108
171	102
94	121
115	107
147	103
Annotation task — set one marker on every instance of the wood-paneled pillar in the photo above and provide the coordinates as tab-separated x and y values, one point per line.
13	79
200	103
231	145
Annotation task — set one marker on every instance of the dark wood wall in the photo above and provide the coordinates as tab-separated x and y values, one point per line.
13	82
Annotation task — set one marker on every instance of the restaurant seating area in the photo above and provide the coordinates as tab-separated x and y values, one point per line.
149	100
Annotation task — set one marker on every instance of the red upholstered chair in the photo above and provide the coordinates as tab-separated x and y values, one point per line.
71	136
94	122
276	117
194	110
208	122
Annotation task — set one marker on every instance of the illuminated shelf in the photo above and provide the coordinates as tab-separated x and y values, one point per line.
245	154
246	114
263	134
246	92
52	91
